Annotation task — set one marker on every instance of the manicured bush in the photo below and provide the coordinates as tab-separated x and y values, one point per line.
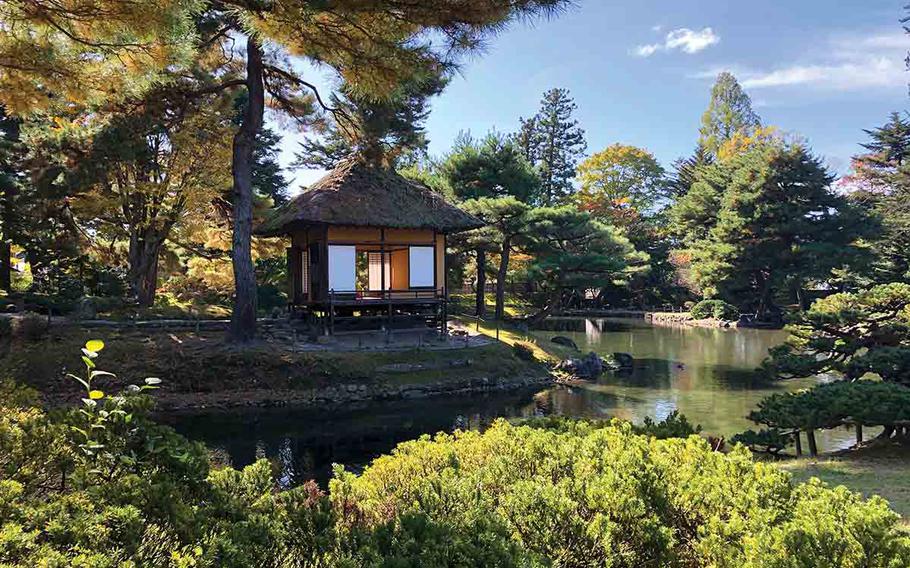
717	309
771	441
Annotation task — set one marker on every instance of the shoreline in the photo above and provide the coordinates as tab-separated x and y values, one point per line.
668	319
335	396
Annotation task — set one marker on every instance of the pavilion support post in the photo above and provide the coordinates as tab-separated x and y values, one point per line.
799	444
859	433
331	312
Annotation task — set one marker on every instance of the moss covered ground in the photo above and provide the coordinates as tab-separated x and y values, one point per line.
190	362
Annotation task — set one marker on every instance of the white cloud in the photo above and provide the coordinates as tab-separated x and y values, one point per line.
845	64
682	39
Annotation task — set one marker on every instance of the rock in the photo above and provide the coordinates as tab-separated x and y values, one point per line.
624	360
563	340
85	309
588	367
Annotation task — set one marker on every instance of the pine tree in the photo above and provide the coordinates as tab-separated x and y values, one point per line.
765	223
268	179
685	171
490	167
553	142
882	180
388	132
729	113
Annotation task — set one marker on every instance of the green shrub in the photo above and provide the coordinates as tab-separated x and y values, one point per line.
717	309
604	496
523	351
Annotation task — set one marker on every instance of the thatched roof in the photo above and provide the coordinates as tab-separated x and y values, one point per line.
360	195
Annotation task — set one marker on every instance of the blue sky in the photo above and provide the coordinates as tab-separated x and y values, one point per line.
641	72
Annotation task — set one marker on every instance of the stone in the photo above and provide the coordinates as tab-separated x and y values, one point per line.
563	340
588	367
624	360
85	309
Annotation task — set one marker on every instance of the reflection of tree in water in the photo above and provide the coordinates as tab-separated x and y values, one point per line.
304	444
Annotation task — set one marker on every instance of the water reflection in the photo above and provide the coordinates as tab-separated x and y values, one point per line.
305	443
707	374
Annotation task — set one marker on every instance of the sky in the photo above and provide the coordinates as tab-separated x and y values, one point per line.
641	73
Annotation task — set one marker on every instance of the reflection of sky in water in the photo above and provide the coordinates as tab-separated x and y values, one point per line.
706	374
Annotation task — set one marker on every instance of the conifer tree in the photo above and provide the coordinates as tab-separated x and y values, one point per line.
729	113
881	178
387	132
766	222
553	142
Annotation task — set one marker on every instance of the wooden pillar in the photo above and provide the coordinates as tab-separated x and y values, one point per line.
382	260
859	433
799	444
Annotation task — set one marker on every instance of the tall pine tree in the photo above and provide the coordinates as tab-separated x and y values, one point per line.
729	113
553	142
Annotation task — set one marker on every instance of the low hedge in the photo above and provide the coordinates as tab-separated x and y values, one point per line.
717	309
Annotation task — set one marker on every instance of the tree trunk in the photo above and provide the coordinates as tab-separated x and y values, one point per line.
143	270
480	308
6	280
501	279
813	447
243	317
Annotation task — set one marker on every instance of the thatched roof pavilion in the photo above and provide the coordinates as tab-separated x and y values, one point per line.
365	241
356	194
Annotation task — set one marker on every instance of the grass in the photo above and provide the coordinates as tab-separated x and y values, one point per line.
883	471
189	363
509	335
514	307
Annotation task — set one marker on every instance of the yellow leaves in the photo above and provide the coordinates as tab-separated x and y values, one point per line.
95	394
742	141
94	345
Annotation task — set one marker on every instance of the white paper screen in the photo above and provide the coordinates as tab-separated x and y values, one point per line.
421	267
342	268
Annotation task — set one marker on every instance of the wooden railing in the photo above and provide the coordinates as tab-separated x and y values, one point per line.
341	296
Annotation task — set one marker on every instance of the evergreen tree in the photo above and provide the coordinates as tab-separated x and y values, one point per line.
572	252
268	179
388	131
553	142
765	223
729	112
507	221
491	167
374	45
685	171
881	178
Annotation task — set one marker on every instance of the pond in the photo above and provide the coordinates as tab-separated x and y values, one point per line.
706	374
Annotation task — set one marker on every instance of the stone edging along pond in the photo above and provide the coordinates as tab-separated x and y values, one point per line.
347	393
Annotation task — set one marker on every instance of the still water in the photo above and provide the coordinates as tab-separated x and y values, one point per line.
706	374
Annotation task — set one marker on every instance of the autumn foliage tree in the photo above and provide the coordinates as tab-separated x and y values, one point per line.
620	183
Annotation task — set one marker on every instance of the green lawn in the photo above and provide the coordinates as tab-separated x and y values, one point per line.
871	471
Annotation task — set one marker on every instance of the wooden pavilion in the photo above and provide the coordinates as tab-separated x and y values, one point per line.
368	249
